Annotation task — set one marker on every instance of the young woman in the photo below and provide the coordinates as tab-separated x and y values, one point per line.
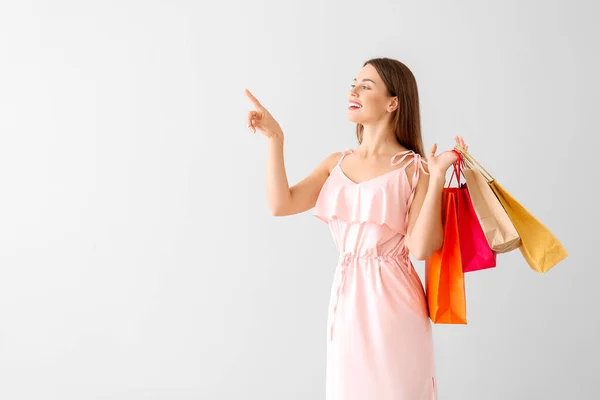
382	202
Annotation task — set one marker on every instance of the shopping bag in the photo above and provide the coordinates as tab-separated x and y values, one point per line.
540	248
444	277
476	253
500	232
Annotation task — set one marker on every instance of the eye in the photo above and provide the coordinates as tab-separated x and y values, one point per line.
364	87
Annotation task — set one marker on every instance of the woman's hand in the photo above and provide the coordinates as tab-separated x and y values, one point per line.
262	120
438	165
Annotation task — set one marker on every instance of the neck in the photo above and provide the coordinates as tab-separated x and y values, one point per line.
378	140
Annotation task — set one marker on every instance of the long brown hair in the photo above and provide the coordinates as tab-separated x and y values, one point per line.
406	121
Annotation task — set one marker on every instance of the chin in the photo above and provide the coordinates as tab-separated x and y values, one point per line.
352	117
356	120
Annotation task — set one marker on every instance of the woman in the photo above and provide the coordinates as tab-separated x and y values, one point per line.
382	202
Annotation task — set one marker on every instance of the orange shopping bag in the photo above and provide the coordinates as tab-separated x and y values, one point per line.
444	277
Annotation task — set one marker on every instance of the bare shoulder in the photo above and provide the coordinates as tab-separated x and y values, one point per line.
423	178
330	161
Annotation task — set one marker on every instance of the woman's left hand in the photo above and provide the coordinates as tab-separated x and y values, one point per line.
438	165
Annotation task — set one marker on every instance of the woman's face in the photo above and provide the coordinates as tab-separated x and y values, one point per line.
370	92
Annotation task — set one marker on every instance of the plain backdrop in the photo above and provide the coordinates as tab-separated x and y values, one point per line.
138	257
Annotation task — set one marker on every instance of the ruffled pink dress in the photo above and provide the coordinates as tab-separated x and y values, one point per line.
379	341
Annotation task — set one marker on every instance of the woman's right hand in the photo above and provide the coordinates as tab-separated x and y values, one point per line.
438	165
262	120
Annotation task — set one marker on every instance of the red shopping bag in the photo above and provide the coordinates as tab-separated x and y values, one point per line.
476	253
444	277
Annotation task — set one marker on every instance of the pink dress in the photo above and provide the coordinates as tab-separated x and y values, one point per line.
379	342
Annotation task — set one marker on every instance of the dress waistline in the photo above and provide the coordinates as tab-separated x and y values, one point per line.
344	262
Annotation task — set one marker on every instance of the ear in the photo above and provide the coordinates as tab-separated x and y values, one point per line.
393	104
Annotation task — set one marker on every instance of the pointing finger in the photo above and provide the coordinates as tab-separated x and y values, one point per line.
253	99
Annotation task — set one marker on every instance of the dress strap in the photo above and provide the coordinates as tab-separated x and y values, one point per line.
344	154
418	161
404	154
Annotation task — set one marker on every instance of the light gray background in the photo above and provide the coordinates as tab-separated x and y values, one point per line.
138	258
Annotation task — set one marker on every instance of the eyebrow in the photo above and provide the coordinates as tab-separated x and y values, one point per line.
367	79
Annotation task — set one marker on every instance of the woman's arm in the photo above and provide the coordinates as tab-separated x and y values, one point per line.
425	231
284	200
425	234
281	199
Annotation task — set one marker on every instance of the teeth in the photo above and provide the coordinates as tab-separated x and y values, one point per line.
355	105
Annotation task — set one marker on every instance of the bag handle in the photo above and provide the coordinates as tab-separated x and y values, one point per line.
456	169
474	164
